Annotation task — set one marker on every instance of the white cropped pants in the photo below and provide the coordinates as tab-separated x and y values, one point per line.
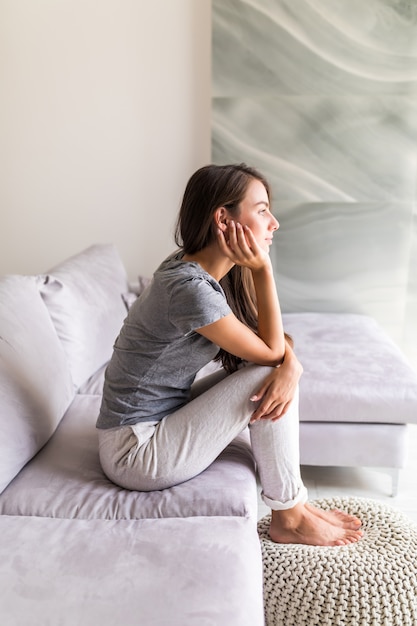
158	455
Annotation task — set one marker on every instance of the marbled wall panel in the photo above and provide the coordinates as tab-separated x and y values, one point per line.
321	95
355	148
314	46
410	316
338	256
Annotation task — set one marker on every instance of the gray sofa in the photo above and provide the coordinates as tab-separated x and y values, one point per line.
76	549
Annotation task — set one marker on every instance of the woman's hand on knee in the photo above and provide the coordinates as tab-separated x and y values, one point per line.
269	412
278	390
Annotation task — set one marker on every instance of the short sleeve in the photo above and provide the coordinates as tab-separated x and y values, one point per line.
196	302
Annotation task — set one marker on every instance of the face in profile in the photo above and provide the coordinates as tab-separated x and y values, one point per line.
254	211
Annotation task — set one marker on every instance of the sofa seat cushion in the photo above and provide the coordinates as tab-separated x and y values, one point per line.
353	371
180	572
66	480
84	298
35	380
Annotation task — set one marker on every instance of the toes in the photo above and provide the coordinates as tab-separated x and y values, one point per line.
349	539
353	521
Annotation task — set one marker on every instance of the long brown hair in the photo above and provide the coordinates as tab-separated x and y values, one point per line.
209	188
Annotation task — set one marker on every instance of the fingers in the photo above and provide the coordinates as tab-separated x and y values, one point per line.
274	401
240	246
223	244
259	394
284	409
233	243
270	405
237	239
271	412
229	244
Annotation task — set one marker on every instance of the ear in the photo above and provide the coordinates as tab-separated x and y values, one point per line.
221	217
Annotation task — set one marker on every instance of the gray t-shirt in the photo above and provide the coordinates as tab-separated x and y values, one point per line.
158	353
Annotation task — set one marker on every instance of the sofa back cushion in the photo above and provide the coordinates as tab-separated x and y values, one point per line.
84	298
35	381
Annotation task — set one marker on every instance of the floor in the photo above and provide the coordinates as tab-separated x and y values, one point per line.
327	482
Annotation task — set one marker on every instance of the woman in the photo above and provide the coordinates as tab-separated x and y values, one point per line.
158	429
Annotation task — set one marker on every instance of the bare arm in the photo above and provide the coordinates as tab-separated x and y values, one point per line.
267	346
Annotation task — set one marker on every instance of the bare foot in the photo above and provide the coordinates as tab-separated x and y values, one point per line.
336	517
301	525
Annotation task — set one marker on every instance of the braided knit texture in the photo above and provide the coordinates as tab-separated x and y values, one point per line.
370	583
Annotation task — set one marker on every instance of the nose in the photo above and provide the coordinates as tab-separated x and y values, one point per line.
274	223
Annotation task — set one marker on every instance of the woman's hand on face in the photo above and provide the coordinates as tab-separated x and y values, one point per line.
240	246
278	390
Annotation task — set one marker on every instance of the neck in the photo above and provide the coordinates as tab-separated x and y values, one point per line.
212	261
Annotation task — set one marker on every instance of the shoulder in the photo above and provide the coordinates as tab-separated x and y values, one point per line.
178	276
193	298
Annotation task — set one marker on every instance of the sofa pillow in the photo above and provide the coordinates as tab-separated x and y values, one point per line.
84	298
35	381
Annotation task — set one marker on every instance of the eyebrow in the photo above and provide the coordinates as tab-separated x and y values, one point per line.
262	202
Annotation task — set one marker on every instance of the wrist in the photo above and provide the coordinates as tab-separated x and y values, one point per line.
291	360
264	270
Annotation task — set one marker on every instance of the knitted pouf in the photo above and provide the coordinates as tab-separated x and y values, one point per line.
369	583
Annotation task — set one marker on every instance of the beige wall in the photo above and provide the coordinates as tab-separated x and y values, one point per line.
104	114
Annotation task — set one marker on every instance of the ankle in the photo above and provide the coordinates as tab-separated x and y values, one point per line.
288	518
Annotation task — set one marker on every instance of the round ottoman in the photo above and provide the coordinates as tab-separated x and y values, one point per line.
370	583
